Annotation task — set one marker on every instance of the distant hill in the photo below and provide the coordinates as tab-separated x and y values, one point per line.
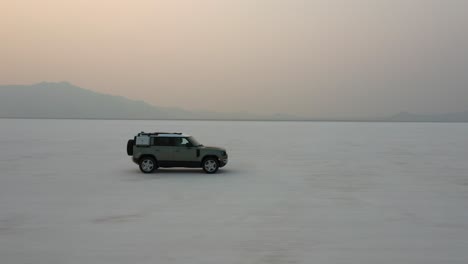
64	100
447	117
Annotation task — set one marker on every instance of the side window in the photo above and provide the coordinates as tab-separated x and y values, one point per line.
181	142
163	141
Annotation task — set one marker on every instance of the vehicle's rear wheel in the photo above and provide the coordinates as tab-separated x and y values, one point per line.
210	165
148	164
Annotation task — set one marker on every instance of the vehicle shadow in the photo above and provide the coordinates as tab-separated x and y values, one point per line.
176	172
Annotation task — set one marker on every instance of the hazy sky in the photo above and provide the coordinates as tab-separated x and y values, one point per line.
322	58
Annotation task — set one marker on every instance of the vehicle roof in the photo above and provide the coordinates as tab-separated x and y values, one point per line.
171	135
163	134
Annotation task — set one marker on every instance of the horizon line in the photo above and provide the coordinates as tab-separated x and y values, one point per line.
239	120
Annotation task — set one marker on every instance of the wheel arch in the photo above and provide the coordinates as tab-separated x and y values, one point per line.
147	155
209	156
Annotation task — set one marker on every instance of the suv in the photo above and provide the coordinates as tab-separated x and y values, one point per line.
161	149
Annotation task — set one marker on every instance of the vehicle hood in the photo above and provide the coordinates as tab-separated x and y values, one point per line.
213	148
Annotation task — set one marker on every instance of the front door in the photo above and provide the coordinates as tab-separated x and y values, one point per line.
184	152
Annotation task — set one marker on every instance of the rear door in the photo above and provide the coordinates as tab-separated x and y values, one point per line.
162	148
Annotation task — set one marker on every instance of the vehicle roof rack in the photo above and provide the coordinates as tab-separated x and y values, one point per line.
157	133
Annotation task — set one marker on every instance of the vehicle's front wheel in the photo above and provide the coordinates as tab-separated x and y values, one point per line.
148	164
210	165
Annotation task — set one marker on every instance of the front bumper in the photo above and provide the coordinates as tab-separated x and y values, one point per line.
223	161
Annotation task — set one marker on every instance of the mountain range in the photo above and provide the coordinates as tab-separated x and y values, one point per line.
64	100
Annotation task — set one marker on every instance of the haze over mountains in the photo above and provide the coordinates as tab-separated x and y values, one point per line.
64	100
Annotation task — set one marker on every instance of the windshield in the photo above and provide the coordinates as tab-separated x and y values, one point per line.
194	142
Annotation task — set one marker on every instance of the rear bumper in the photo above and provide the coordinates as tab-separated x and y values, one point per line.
135	160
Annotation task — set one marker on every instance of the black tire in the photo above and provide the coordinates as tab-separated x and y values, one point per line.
130	144
210	165
148	164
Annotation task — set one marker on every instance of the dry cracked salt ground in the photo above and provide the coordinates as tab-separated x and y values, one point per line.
293	192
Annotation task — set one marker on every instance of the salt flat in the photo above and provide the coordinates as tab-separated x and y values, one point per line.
293	192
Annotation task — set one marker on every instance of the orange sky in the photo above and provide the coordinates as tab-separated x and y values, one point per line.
323	58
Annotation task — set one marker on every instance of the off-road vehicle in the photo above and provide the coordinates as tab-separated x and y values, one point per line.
160	149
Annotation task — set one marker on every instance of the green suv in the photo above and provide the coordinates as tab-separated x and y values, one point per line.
153	150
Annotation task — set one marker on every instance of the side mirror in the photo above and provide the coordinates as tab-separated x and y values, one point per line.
189	145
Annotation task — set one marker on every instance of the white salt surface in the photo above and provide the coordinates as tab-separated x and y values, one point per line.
293	192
